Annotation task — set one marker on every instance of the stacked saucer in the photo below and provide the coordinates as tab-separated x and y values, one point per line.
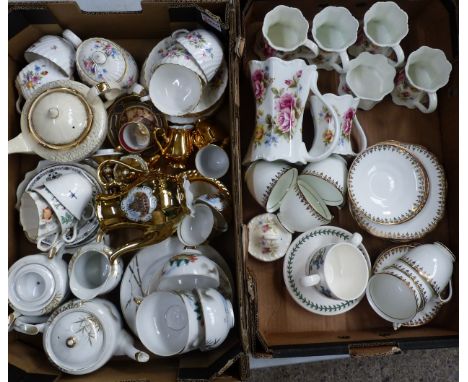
397	191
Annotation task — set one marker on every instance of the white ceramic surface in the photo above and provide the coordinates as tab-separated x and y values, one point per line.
426	71
387	184
91	274
268	182
174	89
218	316
144	269
369	77
281	89
196	335
178	55
212	161
385	24
329	178
196	228
430	215
154	60
324	127
302	209
268	239
334	29
55	49
295	263
338	270
204	47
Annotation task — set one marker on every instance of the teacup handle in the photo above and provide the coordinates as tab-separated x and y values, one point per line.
432	103
449	297
103	88
72	37
355	239
179	32
312	46
18	103
138	89
310	280
344	58
74	231
336	121
400	55
19	324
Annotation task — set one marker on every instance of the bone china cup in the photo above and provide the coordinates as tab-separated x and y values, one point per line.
426	71
339	270
303	209
174	89
196	228
285	30
369	77
268	182
177	54
334	29
385	25
212	161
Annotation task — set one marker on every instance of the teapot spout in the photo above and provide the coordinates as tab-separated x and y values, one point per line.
126	348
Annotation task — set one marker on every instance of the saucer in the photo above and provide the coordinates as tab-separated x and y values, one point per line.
148	262
294	268
430	215
268	239
46	171
387	184
388	257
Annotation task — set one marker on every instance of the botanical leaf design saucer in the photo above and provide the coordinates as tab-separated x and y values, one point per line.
295	264
148	263
388	257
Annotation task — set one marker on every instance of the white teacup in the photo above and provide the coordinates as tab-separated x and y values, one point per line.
285	30
385	25
426	71
33	76
329	178
369	77
187	271
135	136
334	29
196	330
212	161
174	89
268	182
339	270
196	228
303	209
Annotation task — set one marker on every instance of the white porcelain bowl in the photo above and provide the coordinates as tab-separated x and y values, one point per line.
212	161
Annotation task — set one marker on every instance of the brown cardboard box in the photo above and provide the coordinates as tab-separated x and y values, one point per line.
278	326
137	32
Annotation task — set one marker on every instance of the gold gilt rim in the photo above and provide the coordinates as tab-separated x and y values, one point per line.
194	175
81	138
406	215
388	252
442	195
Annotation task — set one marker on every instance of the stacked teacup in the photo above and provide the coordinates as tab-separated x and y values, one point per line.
51	214
411	283
184	310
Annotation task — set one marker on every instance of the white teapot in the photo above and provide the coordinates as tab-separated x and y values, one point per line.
62	121
81	336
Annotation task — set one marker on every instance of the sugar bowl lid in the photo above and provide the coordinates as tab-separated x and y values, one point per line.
75	339
99	59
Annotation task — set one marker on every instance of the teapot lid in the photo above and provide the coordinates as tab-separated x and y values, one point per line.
60	118
100	60
75	339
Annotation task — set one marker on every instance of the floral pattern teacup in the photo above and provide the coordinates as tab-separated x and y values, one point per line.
281	89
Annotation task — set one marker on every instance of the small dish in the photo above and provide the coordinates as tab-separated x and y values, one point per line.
294	267
268	239
387	184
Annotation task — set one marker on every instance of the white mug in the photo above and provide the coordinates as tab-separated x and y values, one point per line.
385	25
339	271
334	29
426	71
285	30
369	77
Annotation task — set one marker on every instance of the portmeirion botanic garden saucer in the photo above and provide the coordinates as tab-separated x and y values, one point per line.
147	264
268	239
430	215
387	258
387	184
294	268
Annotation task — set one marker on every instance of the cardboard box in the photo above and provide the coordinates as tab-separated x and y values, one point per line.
138	32
278	326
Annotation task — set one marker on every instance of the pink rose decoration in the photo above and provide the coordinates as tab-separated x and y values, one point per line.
285	120
258	75
287	101
259	89
348	121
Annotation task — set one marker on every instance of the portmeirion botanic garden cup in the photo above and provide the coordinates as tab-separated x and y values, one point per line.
281	89
334	29
324	129
385	24
426	71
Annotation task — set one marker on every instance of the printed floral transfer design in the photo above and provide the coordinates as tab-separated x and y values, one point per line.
174	51
34	77
196	39
95	70
346	125
287	108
